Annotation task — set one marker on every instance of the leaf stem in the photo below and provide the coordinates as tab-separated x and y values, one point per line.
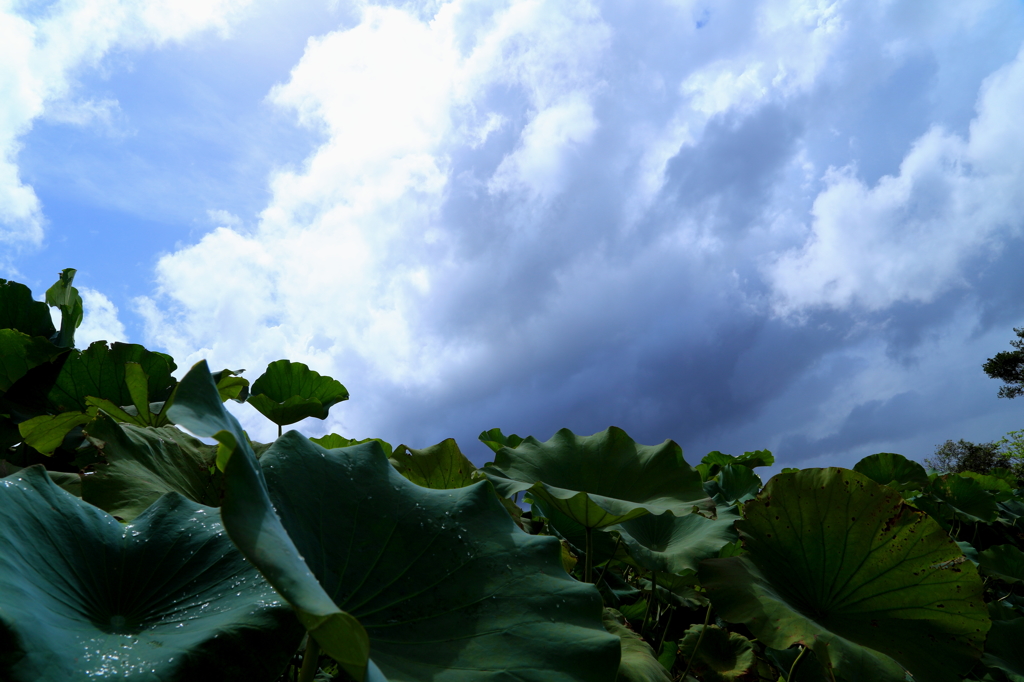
608	563
696	648
310	660
589	562
789	677
651	601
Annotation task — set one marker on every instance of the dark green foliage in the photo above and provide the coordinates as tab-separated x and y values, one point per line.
1008	367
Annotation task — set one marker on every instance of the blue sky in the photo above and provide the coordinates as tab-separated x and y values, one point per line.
783	223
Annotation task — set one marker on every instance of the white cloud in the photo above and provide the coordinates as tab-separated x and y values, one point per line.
909	236
40	56
100	320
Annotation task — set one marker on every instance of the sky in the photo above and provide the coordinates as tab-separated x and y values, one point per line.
740	224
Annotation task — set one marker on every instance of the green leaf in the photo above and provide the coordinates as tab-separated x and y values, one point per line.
757	458
735	483
441	466
19	353
638	662
231	386
289	392
19	311
46	432
895	471
1004	562
807	670
100	372
255	528
842	565
142	464
722	655
992	482
1003	647
496	440
164	598
333	441
957	497
446	585
673	544
600	480
65	298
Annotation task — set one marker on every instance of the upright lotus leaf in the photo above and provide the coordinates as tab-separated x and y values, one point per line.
65	298
333	441
895	471
290	391
496	440
19	311
953	497
734	483
600	480
166	598
674	544
99	372
638	662
1004	562
143	463
844	566
19	353
255	528
441	466
446	585
605	545
712	462
721	656
231	385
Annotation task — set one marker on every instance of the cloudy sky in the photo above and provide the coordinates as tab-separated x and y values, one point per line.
739	224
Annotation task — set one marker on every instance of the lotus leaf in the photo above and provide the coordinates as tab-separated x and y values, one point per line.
1004	562
18	310
895	471
446	585
734	483
496	440
958	498
600	480
1003	648
65	298
165	598
289	392
722	655
19	353
99	372
674	544
842	565
142	463
46	432
332	441
256	530
638	662
441	466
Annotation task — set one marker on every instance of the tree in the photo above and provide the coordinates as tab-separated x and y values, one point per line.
1008	366
962	455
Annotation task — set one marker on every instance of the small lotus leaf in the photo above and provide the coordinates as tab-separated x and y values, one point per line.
164	599
441	466
289	392
1004	562
600	480
333	441
721	656
674	544
496	440
844	566
18	310
446	585
638	662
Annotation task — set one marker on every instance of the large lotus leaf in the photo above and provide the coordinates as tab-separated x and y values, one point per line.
893	470
99	372
446	585
842	565
600	480
441	466
20	352
143	463
673	544
255	528
18	310
720	656
1005	562
67	300
638	662
165	598
290	391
